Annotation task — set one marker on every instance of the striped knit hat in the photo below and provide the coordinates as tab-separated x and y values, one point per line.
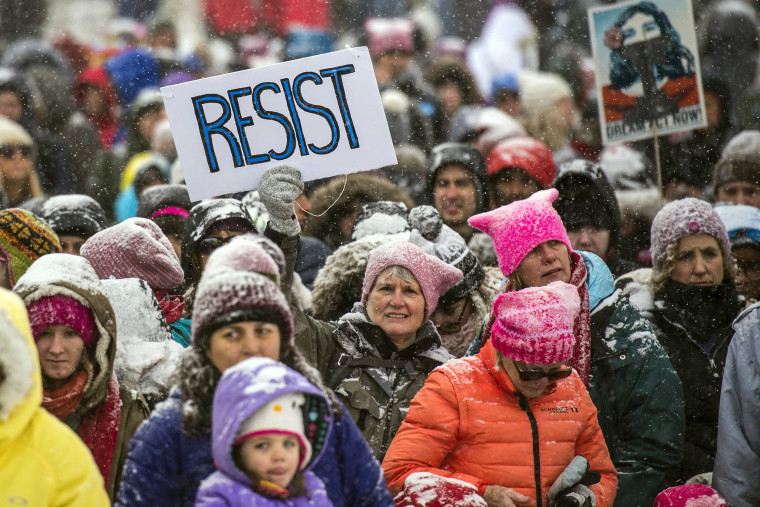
24	238
535	325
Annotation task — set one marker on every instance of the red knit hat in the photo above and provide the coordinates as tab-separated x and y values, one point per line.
535	325
526	153
691	495
60	310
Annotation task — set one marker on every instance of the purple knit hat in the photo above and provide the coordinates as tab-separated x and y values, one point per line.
535	325
685	217
691	495
60	310
434	276
240	277
134	248
521	226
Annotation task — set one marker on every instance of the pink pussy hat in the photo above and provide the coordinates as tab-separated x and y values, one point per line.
521	226
535	325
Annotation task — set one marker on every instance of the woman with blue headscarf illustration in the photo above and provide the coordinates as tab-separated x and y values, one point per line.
652	73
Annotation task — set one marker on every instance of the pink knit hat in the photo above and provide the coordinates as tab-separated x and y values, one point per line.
521	226
134	248
535	325
693	495
434	276
60	310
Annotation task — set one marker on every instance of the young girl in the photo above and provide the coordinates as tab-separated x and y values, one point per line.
269	426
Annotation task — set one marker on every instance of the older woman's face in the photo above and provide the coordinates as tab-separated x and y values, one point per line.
60	349
397	306
532	388
699	261
548	262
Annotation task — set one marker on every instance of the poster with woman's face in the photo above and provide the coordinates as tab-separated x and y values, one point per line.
647	69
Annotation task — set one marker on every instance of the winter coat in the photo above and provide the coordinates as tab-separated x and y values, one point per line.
680	334
43	461
165	466
737	461
469	423
241	392
72	276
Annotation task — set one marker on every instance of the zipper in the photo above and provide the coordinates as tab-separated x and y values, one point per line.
536	456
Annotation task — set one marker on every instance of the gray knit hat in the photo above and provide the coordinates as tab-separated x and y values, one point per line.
685	217
740	160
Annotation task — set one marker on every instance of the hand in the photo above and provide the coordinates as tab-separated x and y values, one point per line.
499	496
278	189
570	477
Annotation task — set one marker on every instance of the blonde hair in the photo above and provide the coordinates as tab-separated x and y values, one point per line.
548	127
667	261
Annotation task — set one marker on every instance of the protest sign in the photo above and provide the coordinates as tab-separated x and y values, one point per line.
647	69
321	115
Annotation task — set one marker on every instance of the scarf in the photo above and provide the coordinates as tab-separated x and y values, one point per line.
63	401
582	325
171	306
99	428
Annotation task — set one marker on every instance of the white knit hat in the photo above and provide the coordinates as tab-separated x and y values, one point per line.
282	415
540	91
13	133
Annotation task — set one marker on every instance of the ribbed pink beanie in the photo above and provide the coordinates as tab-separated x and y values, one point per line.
61	310
134	248
434	276
535	325
521	226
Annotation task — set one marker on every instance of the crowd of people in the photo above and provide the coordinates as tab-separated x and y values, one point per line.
512	314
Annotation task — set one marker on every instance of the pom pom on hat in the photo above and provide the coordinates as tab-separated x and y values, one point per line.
519	227
60	310
535	325
434	276
134	248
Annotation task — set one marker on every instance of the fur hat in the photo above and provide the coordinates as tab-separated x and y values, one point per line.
519	227
535	325
740	160
685	217
526	153
434	276
60	310
134	248
540	91
24	238
691	495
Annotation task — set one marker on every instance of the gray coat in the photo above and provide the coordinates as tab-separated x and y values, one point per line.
737	461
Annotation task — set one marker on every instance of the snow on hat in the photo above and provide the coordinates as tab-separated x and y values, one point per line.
691	495
685	217
535	325
540	91
742	223
240	279
519	227
380	217
434	276
740	160
164	200
76	214
388	34
24	238
282	415
60	310
134	248
526	153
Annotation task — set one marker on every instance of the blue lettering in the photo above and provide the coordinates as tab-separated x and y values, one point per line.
217	127
318	110
294	116
242	122
336	74
271	115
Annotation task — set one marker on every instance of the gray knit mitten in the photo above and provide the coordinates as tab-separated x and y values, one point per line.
279	188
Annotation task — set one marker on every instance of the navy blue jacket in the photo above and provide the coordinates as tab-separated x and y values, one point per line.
165	466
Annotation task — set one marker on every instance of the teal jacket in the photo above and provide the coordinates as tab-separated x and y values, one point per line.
635	389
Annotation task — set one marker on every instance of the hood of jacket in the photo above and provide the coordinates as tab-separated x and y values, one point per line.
247	387
466	155
72	276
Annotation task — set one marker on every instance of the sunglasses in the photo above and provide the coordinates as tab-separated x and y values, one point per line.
208	245
552	376
454	327
8	151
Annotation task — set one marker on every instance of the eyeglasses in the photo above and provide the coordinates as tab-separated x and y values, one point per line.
454	327
208	245
8	150
552	376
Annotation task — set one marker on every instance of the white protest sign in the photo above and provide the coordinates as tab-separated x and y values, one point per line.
647	69
321	115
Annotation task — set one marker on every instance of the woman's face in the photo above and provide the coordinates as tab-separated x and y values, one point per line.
699	261
235	342
397	306
213	241
60	349
532	388
546	263
15	162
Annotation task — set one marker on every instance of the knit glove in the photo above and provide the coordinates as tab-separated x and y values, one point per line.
278	189
571	487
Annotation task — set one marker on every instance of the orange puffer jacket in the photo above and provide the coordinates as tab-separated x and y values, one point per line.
467	423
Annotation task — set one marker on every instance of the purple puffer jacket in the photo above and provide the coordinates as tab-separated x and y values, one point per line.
243	390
